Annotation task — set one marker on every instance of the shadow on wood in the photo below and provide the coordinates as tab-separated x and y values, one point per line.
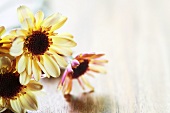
89	103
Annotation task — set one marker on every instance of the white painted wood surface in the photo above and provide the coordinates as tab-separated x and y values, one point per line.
135	36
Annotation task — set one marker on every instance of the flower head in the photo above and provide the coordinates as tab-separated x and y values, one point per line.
81	65
38	47
14	95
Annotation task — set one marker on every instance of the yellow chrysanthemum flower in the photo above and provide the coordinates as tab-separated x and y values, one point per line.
5	42
14	96
81	65
37	47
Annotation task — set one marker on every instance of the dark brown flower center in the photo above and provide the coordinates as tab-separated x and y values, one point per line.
9	85
37	43
81	69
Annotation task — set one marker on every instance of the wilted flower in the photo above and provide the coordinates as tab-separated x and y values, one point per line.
81	65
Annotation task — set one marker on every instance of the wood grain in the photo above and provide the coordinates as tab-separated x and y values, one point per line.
134	35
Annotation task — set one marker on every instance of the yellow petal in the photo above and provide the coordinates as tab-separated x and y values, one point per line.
22	64
97	68
68	87
87	56
6	46
84	56
97	55
17	41
28	65
34	86
66	35
92	55
22	32
87	83
66	51
98	61
51	66
2	104
7	38
29	101
13	32
43	69
4	42
89	73
36	70
23	13
15	51
17	47
81	84
17	59
60	60
51	20
63	41
27	24
2	50
39	16
19	32
2	30
16	105
24	78
59	23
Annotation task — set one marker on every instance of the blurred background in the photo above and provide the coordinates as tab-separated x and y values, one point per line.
115	22
134	35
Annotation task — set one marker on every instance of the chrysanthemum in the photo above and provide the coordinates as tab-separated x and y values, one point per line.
13	95
5	42
37	47
81	65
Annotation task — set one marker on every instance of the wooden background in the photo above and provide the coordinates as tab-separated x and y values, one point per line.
135	36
